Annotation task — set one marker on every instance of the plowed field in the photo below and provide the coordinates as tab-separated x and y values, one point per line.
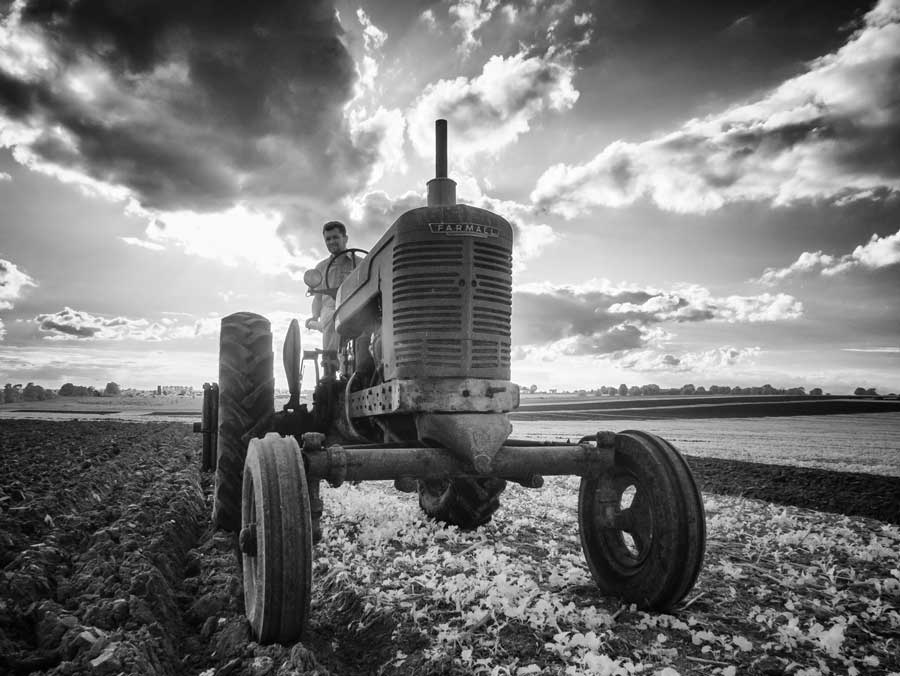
108	565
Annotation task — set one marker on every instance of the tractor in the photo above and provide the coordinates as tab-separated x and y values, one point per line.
420	393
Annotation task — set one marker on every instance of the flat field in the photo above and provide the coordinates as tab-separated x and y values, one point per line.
110	565
868	442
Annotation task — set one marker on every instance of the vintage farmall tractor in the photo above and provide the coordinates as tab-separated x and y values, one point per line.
422	396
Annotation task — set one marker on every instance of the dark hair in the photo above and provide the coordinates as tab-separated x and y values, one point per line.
335	225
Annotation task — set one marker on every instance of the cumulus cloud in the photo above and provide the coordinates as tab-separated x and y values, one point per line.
4	176
714	360
545	313
70	324
13	283
878	252
689	303
628	325
828	133
197	107
614	342
493	109
468	17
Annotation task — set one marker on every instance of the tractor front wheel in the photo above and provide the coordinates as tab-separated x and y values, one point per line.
467	502
276	539
643	528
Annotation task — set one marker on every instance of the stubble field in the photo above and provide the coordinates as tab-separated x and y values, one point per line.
109	565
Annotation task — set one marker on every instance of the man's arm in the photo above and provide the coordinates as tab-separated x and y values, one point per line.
321	266
317	305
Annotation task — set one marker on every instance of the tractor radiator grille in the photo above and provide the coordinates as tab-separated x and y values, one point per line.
428	305
452	307
492	306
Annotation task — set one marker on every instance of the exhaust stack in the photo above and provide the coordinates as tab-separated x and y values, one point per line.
441	190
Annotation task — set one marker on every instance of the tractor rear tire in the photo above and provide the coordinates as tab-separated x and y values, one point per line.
246	407
467	502
209	426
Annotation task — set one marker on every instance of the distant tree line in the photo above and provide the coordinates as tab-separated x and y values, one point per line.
31	392
624	390
690	389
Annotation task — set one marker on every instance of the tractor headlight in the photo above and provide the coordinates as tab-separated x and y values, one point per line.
312	278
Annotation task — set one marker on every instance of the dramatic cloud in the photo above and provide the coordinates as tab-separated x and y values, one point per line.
184	107
69	324
829	133
605	313
492	110
878	252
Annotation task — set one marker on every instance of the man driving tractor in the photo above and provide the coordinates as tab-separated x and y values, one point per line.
341	264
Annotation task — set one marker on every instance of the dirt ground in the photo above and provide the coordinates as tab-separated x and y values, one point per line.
108	565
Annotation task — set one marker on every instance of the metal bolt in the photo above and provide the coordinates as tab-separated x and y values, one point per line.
482	463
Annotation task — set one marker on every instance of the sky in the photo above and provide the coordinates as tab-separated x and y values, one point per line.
704	193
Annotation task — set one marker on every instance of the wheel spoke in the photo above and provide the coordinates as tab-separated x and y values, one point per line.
641	521
623	520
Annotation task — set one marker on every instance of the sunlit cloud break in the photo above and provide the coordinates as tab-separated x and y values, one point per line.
878	252
828	133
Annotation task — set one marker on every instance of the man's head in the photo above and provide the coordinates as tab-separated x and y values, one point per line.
335	234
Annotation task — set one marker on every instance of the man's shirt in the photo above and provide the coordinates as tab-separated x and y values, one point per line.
343	265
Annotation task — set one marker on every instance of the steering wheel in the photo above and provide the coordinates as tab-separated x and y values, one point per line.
333	291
